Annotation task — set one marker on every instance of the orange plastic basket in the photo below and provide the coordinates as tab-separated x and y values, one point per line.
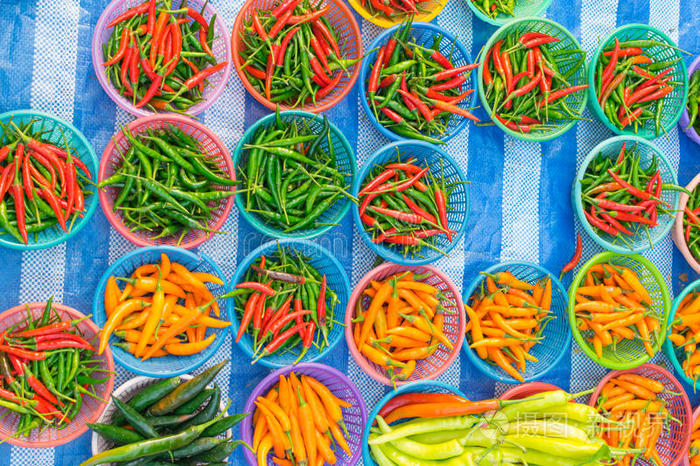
91	408
349	40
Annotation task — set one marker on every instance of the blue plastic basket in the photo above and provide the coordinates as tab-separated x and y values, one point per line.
325	263
575	101
345	163
166	366
557	333
56	129
426	155
522	8
425	386
673	103
675	354
640	242
449	47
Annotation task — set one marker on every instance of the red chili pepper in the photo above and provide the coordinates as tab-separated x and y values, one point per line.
39	388
383	235
442	60
124	69
62	336
121	51
399	215
158	36
257	315
247	314
23	353
279	24
260	287
176	34
258	27
627	217
527	87
378	180
632	117
630	189
405	240
195	15
50	198
319	26
417	209
600	224
151	92
392	115
531	63
420	105
575	259
18	197
441	204
282	311
693	217
318	70
285	6
318	50
8	176
660	94
612	205
488	78
609	70
279	324
130	13
279	340
540	41
625	52
17	364
260	74
615	224
404	185
309	336
561	93
373	84
204	74
38	176
48	329
4	152
321	306
496	56
323	92
513	125
508	70
26	177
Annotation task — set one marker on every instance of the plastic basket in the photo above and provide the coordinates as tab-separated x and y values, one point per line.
325	263
522	8
425	154
673	103
345	163
527	389
575	101
453	328
349	40
629	353
684	121
56	129
557	334
166	366
675	354
696	414
423	34
678	233
354	417
209	143
426	386
641	241
433	7
674	440
91	408
220	48
124	393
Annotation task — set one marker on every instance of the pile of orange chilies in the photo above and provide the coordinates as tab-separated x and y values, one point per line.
685	333
403	323
163	310
634	400
507	319
612	303
297	420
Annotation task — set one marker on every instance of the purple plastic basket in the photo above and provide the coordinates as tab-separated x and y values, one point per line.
685	118
355	417
221	48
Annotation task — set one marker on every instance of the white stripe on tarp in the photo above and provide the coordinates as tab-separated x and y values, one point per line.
522	163
598	19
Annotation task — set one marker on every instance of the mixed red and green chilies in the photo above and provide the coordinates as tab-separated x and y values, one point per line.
496	9
292	54
414	90
631	84
404	204
691	223
397	9
160	56
285	304
621	196
166	183
289	174
47	367
526	81
42	181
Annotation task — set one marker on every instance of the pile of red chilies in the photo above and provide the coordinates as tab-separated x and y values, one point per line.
40	184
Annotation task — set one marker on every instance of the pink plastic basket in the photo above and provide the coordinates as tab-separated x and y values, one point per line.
354	418
677	231
527	389
91	408
221	49
696	414
673	442
349	40
210	144
451	300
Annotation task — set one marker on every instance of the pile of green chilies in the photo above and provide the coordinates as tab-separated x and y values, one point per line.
42	183
414	91
283	302
693	104
291	53
161	57
289	175
495	8
631	85
621	197
47	367
166	184
405	205
691	223
396	9
526	81
169	421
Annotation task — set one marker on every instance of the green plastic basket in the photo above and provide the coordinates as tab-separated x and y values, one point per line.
673	103
641	241
56	130
345	163
628	353
675	354
523	8
575	101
